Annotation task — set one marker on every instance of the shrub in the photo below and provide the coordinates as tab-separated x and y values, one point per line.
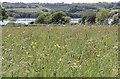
102	15
56	18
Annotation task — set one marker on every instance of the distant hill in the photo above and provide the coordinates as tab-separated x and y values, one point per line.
17	10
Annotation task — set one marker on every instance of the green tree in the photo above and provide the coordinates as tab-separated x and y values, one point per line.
0	17
88	18
115	18
0	12
66	19
40	19
44	18
60	18
4	14
48	18
56	18
82	21
102	15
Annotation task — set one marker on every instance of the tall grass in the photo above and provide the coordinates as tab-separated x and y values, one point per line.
0	52
60	51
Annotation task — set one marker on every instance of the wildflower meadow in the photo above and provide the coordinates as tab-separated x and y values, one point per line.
60	51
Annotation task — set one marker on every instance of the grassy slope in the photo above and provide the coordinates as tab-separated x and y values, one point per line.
27	10
60	51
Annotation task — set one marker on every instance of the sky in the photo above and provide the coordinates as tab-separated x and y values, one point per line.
59	1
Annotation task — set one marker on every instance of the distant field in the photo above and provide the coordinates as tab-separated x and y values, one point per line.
60	51
28	9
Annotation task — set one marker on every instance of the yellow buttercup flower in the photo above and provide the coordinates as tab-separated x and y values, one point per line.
79	66
114	70
59	47
33	46
60	59
35	43
32	43
98	55
74	63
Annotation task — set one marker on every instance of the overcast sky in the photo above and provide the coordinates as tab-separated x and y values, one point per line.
56	1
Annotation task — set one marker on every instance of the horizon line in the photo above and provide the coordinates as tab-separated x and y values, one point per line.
59	2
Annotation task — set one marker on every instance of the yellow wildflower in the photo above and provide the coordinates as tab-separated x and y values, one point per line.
74	63
27	52
98	55
114	70
59	60
33	46
79	66
58	45
35	43
32	43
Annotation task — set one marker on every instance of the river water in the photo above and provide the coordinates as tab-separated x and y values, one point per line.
18	21
28	20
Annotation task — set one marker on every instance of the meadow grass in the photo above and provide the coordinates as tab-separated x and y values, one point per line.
60	51
0	52
29	9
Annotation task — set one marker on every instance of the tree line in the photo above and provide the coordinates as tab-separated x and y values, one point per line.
60	17
55	18
74	10
100	17
3	13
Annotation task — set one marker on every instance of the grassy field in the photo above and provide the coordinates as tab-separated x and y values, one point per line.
60	51
28	10
0	52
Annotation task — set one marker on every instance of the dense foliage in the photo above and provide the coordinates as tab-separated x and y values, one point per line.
56	13
102	15
3	14
56	18
116	18
88	18
75	10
